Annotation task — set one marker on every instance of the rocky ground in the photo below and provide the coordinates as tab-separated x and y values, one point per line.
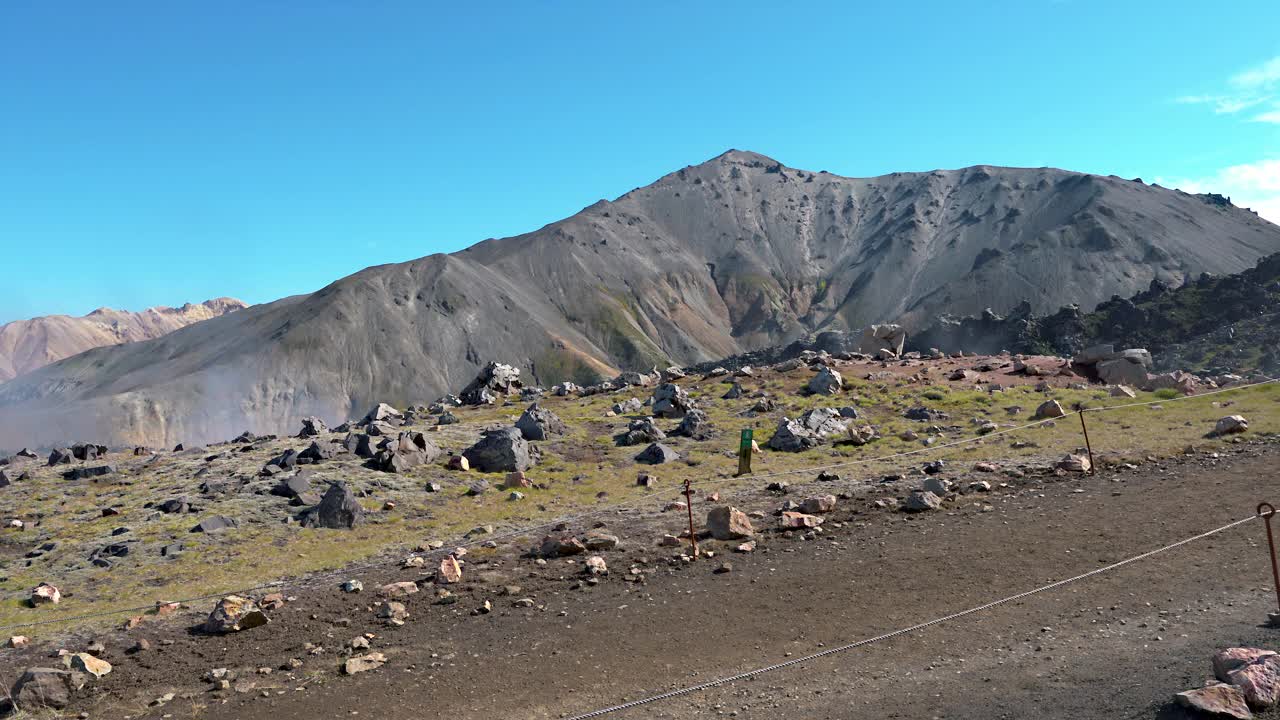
541	635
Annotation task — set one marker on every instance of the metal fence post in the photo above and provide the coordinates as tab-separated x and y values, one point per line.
1266	512
688	503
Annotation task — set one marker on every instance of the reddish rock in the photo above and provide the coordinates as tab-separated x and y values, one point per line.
450	571
795	520
398	589
820	504
1219	700
561	546
1225	661
729	523
1259	681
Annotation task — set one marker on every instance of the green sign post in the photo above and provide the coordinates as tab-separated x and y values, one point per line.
744	453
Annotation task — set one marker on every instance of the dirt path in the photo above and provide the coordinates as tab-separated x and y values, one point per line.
1116	647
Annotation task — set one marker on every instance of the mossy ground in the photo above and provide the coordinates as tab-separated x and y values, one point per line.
581	472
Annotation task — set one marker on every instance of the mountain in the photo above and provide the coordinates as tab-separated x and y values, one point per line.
1218	324
29	344
734	254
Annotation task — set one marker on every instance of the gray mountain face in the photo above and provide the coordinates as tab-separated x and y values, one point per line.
732	255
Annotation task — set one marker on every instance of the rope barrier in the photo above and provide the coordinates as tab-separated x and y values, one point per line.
312	580
903	631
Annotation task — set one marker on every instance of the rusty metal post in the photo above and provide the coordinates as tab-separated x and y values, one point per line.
1093	467
1266	511
688	502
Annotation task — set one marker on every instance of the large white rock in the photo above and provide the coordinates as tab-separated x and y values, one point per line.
882	337
1122	371
1231	424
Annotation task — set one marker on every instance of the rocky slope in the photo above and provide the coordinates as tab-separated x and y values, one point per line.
26	345
1226	323
734	254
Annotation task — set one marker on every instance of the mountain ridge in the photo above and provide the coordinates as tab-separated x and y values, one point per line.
737	253
29	344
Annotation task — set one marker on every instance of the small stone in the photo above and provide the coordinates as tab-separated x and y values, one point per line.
363	663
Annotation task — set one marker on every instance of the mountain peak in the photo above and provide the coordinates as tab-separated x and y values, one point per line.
744	157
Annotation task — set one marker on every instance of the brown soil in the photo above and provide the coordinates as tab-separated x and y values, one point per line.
1117	646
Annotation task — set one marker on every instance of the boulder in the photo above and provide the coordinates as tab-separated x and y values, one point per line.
1074	463
538	423
394	613
882	337
671	401
312	427
733	393
90	665
818	505
447	418
798	521
599	541
1121	371
1231	424
496	378
84	473
1184	383
214	524
564	389
382	413
1259	681
657	454
317	451
695	424
293	486
1095	355
628	406
1218	701
920	501
1231	659
449	571
234	613
921	413
729	523
672	373
826	382
811	429
408	450
87	451
1048	410
595	565
46	688
45	594
363	663
561	546
503	450
286	460
641	430
1121	391
338	510
61	456
381	428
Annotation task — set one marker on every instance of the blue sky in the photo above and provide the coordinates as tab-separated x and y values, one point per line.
163	152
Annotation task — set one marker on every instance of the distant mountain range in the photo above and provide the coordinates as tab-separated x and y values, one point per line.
29	344
738	253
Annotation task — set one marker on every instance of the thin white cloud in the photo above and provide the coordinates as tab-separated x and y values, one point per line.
1253	185
1248	88
1265	75
1271	116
